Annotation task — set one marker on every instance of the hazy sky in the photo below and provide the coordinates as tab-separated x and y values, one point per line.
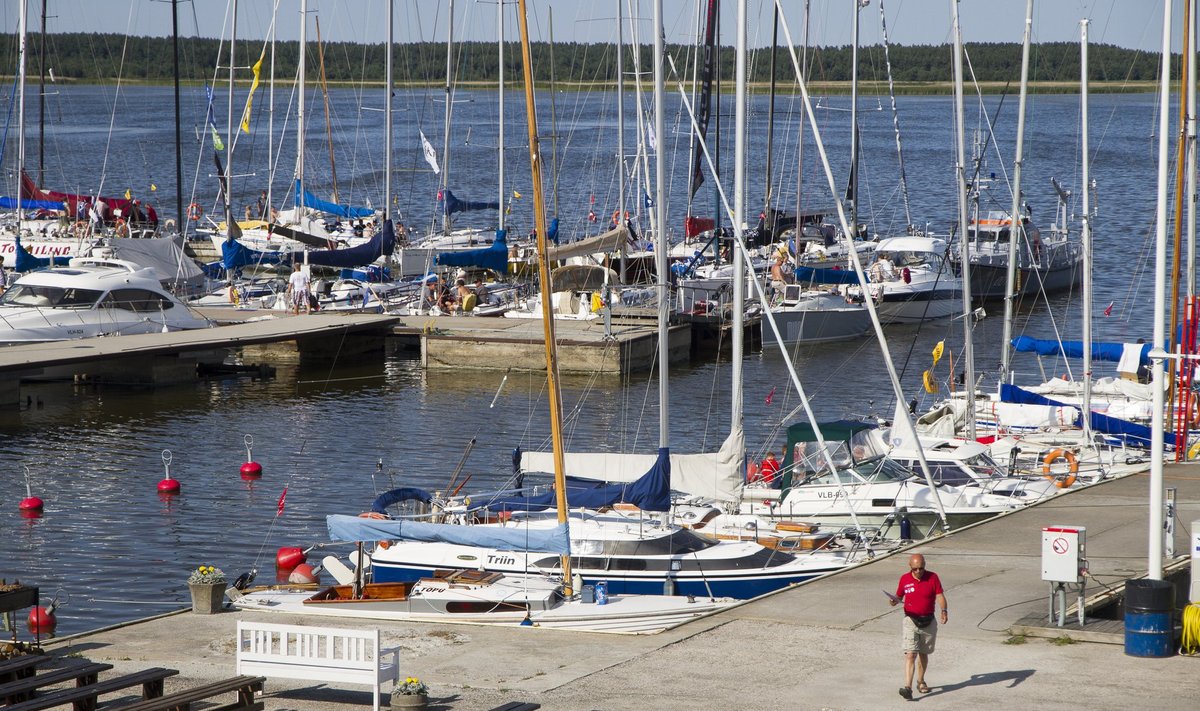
1128	23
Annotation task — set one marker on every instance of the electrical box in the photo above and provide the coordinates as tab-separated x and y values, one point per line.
1063	554
1195	596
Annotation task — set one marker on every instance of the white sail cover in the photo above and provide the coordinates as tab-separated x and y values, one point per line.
610	241
716	475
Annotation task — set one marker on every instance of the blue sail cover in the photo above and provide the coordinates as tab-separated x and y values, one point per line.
347	211
26	262
396	496
454	205
825	276
509	538
1131	432
1074	349
553	230
235	255
649	492
10	203
494	256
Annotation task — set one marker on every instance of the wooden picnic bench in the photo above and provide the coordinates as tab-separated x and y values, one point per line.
21	667
246	687
22	689
85	698
517	706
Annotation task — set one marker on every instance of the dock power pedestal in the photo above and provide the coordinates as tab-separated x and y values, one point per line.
1064	564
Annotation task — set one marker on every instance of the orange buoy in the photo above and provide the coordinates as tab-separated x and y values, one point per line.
302	574
288	558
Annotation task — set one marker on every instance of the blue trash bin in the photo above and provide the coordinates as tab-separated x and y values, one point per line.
1149	618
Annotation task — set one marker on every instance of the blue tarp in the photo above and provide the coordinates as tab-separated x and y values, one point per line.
649	492
454	205
347	211
1132	433
10	203
235	255
509	538
1074	349
494	256
396	496
26	262
825	276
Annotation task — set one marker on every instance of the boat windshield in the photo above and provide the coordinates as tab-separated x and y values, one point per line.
882	470
985	467
52	297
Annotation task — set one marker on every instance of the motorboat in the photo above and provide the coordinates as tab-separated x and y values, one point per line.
916	282
813	315
91	297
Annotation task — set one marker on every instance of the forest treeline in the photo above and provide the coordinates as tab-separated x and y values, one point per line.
107	57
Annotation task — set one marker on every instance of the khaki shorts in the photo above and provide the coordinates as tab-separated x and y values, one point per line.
918	640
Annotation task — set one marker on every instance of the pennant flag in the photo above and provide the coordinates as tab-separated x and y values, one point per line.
153	188
128	194
218	144
646	199
279	506
517	195
931	385
430	156
651	138
771	395
937	351
1108	309
253	86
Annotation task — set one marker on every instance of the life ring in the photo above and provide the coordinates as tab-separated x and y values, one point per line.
195	212
1072	467
616	216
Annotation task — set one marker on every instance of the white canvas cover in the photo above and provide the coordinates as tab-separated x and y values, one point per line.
610	241
175	270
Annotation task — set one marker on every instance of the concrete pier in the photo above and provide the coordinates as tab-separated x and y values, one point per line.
832	643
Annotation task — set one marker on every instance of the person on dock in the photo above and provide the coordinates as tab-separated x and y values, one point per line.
298	290
919	589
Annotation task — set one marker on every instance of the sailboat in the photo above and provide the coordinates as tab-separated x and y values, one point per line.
493	598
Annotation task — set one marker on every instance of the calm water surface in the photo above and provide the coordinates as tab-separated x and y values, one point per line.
120	552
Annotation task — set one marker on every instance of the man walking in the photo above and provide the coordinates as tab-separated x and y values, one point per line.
919	589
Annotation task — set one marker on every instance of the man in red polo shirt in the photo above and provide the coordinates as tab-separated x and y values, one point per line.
919	589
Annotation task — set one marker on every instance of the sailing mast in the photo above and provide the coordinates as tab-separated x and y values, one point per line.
660	236
42	103
179	215
852	188
21	114
739	216
500	119
300	69
230	225
621	134
1018	226
446	119
887	60
539	215
387	109
964	242
1086	233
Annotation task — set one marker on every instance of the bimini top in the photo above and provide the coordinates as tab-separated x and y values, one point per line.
911	244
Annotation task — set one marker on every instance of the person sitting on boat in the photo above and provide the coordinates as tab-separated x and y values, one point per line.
465	296
447	300
430	295
882	269
769	470
482	296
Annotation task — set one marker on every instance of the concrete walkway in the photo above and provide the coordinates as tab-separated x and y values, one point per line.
829	644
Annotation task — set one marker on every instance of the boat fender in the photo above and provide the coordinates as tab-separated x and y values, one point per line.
1072	467
303	574
243	581
289	557
906	274
195	212
1194	451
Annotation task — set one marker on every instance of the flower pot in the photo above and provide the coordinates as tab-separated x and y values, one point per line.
410	701
207	597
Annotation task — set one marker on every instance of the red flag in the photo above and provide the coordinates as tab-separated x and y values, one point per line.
279	506
771	396
1108	309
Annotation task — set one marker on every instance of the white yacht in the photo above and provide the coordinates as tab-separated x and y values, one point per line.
919	285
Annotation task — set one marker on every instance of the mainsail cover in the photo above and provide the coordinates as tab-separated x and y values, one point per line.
26	262
610	241
509	538
494	256
716	475
235	255
1131	432
10	203
1111	352
454	205
816	275
347	211
704	109
650	492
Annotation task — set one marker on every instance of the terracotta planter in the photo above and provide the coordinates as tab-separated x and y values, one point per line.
410	701
207	597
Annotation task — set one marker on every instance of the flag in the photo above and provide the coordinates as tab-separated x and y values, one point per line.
651	138
771	396
517	195
430	156
646	199
153	188
211	119
279	506
128	195
253	85
1108	309
937	351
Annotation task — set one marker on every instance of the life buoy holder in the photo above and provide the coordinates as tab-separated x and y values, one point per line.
1059	480
195	212
616	216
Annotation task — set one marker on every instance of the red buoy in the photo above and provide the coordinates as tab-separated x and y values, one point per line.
288	558
303	573
31	503
168	486
251	470
42	620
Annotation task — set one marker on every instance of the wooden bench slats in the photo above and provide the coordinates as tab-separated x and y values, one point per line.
84	697
517	706
245	686
21	667
81	674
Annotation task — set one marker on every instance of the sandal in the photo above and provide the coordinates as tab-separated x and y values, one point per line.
922	687
906	692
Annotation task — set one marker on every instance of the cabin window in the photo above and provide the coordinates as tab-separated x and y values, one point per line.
50	297
136	300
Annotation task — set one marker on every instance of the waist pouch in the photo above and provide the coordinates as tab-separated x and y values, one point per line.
921	621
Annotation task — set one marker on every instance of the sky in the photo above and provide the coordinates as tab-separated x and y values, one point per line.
1128	23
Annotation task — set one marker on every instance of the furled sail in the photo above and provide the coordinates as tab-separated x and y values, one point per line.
347	211
454	205
494	256
649	492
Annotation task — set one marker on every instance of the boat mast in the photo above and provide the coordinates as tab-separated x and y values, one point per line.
887	60
1086	233
230	225
539	216
42	103
1155	548
325	103
21	114
621	132
1016	231
1177	253
963	241
179	215
387	109
771	122
853	187
1190	29
446	119
660	235
271	119
301	66
739	215
800	141
500	99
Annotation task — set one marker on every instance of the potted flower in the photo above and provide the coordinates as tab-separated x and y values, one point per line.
207	585
412	693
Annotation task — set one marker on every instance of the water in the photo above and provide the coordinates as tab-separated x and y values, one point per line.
94	455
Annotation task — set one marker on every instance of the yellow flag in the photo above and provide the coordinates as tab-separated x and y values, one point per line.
153	188
517	195
253	86
937	351
128	195
931	385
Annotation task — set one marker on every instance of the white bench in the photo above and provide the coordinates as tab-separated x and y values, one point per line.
316	653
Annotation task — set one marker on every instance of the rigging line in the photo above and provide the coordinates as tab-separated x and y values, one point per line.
112	117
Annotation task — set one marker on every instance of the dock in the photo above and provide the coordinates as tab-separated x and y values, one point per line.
829	643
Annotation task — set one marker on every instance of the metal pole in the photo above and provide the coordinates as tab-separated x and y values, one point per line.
300	80
387	108
229	135
621	131
968	356
854	127
500	119
179	215
1017	229
739	213
1086	234
449	104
